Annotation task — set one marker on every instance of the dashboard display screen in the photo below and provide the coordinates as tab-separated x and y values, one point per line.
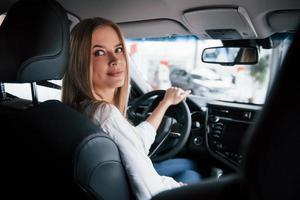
232	135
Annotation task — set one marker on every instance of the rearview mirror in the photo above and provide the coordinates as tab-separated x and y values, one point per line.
230	55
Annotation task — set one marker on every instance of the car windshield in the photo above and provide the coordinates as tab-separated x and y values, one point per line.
176	61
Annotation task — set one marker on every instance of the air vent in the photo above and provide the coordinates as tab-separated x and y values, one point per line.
233	113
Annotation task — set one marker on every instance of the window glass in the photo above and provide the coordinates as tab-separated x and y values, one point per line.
176	61
2	18
24	91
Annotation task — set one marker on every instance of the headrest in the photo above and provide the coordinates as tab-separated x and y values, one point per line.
34	42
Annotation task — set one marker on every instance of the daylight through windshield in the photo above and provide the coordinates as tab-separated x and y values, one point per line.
176	61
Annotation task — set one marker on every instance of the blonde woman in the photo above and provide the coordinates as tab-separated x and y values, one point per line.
96	83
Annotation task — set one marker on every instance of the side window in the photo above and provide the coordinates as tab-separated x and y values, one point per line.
24	91
2	18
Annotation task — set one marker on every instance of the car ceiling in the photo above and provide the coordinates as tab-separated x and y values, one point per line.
143	18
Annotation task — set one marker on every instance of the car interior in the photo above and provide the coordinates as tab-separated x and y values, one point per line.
246	147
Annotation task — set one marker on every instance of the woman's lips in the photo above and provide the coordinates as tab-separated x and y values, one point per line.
115	73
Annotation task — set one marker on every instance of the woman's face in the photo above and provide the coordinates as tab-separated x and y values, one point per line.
107	63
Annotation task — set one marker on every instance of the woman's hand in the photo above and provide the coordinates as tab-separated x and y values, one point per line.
175	95
172	96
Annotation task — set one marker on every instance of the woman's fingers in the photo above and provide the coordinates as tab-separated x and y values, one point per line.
176	95
186	93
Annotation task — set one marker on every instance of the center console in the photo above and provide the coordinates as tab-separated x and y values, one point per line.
226	124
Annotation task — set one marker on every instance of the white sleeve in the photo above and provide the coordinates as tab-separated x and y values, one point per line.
146	132
116	125
144	179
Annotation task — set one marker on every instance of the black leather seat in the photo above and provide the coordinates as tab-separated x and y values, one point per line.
271	167
49	150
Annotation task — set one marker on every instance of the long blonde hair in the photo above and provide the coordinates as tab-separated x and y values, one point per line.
77	80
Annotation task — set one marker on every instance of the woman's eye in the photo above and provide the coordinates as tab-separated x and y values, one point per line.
119	50
99	53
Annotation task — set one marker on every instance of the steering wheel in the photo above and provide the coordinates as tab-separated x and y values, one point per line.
174	129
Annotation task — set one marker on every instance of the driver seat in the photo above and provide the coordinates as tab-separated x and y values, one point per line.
48	149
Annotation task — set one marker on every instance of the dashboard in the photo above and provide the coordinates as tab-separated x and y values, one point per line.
218	128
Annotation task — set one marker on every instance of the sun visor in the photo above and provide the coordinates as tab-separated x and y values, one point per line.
220	23
284	20
152	28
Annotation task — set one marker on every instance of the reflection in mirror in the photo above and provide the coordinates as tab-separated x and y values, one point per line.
230	55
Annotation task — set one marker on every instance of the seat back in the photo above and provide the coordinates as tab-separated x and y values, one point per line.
271	168
49	150
74	158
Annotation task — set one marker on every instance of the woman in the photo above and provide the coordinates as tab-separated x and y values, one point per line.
96	83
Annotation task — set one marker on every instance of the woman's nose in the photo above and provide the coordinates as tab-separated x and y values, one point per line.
114	60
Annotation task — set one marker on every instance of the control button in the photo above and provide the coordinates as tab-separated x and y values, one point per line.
247	115
197	124
198	141
175	134
218	127
240	158
219	146
214	118
216	136
236	156
220	123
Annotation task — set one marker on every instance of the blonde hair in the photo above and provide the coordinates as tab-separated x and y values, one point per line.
77	85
